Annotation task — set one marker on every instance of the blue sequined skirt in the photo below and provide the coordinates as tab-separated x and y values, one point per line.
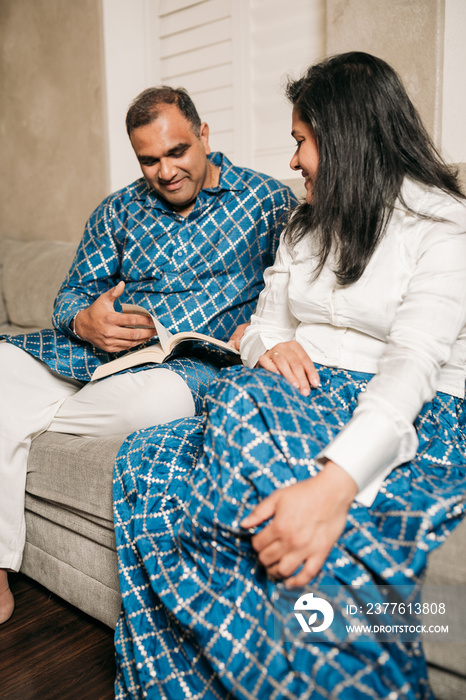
200	618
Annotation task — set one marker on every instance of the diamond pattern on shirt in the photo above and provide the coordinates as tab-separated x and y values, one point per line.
203	272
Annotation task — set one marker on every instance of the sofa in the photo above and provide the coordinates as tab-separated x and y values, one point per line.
70	546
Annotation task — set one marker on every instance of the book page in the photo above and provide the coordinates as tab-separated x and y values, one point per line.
193	335
163	334
153	353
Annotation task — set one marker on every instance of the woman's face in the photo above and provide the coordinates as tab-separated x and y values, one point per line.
306	156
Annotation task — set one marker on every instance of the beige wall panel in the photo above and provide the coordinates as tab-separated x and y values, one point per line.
52	119
408	34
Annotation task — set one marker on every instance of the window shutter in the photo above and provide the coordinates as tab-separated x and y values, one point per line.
195	44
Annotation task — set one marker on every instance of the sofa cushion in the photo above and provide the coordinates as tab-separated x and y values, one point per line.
447	563
10	329
446	574
33	272
75	473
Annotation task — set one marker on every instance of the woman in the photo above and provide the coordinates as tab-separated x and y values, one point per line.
336	462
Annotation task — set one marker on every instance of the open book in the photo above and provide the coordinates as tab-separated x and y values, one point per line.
169	346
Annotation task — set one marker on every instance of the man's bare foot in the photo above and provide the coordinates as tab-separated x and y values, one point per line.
7	605
7	602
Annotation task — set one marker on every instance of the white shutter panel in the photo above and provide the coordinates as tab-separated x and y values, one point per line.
195	44
286	38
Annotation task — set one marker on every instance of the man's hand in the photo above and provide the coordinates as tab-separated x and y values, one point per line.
110	330
292	361
235	339
307	519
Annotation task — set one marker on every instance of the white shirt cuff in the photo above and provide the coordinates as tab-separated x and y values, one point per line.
369	447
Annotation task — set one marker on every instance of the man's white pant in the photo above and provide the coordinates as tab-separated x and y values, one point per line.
34	399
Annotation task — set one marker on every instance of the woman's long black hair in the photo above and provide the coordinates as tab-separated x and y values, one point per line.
370	137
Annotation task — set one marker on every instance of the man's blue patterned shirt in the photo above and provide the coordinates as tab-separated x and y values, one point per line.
201	272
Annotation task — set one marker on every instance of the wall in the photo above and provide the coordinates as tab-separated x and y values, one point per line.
454	95
52	119
424	41
408	35
62	60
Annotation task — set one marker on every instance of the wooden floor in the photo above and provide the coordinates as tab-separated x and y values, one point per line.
50	650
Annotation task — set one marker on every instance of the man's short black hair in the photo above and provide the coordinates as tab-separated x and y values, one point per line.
146	107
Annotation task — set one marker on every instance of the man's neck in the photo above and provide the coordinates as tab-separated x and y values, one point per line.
214	175
186	210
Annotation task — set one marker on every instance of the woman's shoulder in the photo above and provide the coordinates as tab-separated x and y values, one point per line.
432	203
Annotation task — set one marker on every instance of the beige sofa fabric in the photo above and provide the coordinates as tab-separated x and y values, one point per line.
70	547
32	274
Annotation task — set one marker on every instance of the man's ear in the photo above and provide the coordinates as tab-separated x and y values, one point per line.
204	137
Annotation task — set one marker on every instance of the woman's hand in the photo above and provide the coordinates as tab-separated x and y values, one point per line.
307	519
292	361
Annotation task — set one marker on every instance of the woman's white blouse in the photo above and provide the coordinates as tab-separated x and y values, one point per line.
404	321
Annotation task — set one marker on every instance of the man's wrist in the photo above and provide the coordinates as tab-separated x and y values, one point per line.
73	327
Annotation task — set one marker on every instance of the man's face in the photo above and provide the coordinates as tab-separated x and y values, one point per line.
173	159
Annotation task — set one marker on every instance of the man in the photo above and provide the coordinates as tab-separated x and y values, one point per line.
189	242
